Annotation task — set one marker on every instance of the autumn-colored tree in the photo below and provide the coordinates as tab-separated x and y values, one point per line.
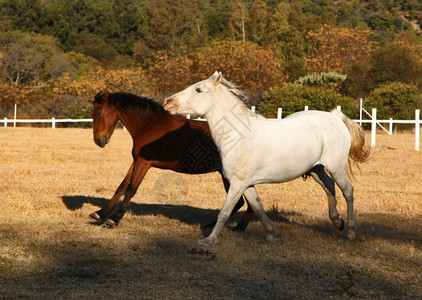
170	73
252	67
128	80
410	40
336	49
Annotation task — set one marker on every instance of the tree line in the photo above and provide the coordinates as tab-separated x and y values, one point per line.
55	53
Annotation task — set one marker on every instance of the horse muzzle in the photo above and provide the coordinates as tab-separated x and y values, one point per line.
101	141
169	105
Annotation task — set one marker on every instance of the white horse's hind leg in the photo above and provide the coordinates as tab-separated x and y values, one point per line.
255	203
347	189
320	176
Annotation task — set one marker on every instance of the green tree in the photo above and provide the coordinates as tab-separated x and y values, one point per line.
31	57
238	20
217	19
258	16
288	42
356	84
173	24
73	20
125	26
278	24
24	15
394	62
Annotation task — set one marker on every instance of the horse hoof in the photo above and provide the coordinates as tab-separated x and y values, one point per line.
341	227
95	216
351	235
239	228
207	241
110	223
271	237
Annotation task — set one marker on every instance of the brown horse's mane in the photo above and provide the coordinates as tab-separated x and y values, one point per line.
124	102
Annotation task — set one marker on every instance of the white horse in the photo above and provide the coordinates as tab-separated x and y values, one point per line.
257	150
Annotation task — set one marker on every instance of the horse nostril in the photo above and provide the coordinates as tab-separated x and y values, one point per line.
101	141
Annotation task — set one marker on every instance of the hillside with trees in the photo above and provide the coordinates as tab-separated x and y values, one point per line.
56	54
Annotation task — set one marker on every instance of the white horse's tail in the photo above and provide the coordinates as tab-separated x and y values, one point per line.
359	149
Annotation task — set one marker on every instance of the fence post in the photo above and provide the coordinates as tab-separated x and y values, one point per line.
253	108
360	111
417	128
390	127
279	112
53	122
339	108
373	127
14	115
306	108
5	122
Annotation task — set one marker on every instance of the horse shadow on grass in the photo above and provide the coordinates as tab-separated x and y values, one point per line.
370	226
184	213
376	226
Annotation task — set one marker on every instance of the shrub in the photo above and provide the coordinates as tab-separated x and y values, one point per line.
78	109
328	80
395	100
294	97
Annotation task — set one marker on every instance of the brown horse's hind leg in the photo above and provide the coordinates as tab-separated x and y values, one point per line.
112	204
139	170
241	226
239	204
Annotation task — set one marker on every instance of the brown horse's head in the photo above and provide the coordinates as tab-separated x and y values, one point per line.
105	119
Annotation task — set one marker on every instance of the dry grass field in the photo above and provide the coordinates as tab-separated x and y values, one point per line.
49	247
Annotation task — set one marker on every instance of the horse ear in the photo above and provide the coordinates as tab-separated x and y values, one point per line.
104	97
101	97
217	77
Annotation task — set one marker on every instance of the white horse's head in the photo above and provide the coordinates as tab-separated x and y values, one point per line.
195	99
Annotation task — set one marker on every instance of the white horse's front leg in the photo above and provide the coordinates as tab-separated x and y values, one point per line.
233	195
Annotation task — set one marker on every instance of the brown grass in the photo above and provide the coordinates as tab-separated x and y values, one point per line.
49	248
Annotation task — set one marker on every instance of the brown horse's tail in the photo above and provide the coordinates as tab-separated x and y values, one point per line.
359	149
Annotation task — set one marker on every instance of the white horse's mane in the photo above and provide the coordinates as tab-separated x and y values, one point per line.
234	89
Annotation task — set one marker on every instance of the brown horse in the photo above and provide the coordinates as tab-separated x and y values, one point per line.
160	140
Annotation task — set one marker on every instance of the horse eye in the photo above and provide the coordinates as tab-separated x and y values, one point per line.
198	90
99	113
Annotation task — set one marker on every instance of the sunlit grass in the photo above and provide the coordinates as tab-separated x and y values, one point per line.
52	179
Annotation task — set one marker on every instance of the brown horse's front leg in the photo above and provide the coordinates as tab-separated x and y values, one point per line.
112	204
140	168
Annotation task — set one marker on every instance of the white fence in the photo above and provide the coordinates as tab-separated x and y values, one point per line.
53	121
373	121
